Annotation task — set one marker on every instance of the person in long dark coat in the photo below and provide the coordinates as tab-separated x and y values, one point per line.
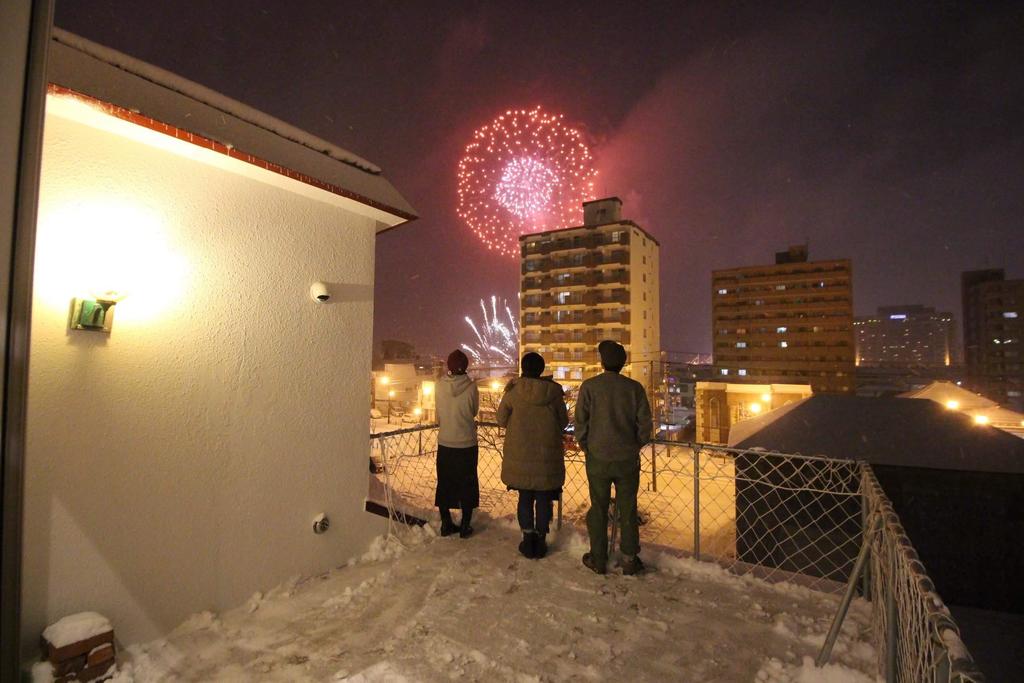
533	458
457	402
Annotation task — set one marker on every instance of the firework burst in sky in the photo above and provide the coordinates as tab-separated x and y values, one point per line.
497	335
525	171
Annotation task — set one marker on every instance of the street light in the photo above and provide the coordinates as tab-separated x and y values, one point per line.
384	380
952	405
418	412
495	385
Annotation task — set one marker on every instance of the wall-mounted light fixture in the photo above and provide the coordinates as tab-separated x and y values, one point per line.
95	313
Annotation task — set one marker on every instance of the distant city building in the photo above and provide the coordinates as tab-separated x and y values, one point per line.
585	284
787	323
720	405
993	314
912	336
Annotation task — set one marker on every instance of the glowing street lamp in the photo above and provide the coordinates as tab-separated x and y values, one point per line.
952	404
384	380
755	407
981	419
495	385
766	398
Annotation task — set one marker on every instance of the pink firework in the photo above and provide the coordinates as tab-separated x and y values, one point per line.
525	171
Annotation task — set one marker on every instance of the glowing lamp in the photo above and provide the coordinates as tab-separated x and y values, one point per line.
94	313
981	419
755	408
417	411
384	380
428	388
952	405
495	385
766	398
391	393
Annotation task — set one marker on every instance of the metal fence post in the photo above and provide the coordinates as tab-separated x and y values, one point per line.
420	435
696	502
864	515
654	467
891	620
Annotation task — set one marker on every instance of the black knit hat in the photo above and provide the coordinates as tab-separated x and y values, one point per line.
457	363
532	365
613	356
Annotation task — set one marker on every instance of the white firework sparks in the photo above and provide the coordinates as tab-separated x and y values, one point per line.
497	335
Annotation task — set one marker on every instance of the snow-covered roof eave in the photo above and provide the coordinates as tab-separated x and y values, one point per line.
118	79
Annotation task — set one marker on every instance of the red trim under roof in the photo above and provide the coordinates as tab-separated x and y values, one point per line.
206	143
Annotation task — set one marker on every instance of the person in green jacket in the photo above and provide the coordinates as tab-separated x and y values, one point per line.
613	422
533	413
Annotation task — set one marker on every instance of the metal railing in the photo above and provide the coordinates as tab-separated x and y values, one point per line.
914	634
777	516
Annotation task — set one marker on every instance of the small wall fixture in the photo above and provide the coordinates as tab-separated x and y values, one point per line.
93	314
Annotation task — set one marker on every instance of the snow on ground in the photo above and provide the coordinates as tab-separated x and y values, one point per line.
439	609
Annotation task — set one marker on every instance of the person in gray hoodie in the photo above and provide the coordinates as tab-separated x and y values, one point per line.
457	402
613	422
533	413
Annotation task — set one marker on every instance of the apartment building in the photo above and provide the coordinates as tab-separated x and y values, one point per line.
588	283
786	323
913	336
993	332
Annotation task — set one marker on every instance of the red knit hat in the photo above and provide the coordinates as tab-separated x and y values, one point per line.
457	363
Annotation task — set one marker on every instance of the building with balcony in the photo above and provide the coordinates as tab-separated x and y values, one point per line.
993	313
787	323
588	283
913	336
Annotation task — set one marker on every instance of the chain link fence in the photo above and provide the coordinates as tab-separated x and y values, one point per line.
914	633
780	517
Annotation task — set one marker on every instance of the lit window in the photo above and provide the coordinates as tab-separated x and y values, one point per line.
723	291
724	371
784	344
741	372
780	330
780	287
1010	314
741	345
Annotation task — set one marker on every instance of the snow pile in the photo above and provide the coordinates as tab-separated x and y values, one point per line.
427	608
76	627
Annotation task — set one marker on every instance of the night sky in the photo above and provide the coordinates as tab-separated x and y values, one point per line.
893	136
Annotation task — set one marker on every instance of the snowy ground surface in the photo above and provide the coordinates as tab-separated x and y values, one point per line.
439	609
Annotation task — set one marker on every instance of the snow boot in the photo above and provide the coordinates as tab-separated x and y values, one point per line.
448	527
527	547
465	531
540	545
590	563
631	565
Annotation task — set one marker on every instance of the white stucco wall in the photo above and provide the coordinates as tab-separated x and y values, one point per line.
177	464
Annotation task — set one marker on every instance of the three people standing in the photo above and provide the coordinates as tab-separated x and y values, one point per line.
612	423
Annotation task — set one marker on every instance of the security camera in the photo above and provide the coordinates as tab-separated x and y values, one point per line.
318	292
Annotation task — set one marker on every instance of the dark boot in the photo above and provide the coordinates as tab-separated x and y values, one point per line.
631	565
448	527
590	563
466	528
540	545
527	548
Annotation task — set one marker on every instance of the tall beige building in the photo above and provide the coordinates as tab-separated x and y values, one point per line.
786	323
588	283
